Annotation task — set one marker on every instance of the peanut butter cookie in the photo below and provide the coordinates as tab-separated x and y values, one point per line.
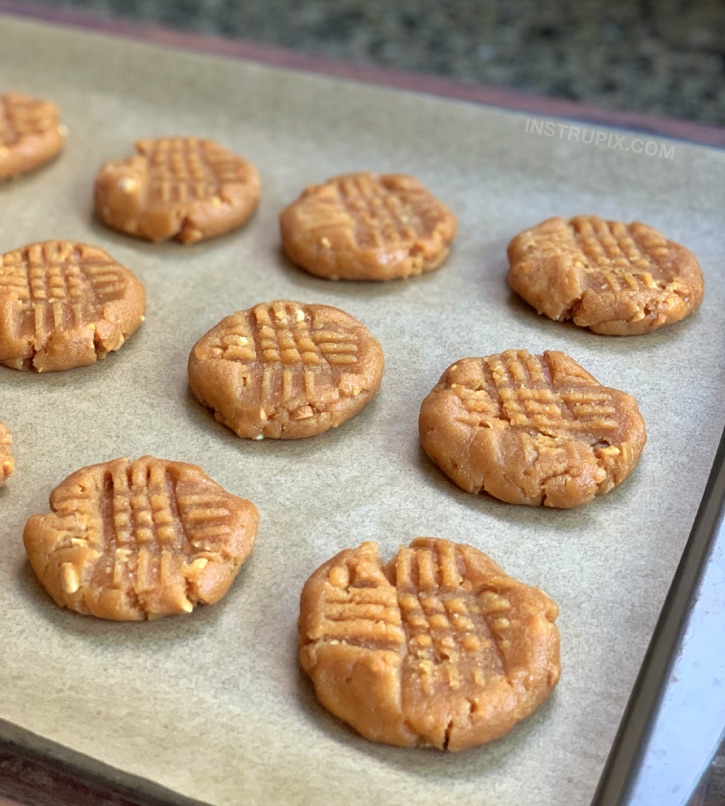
529	429
367	226
7	465
64	305
437	648
285	370
129	541
177	187
30	134
616	279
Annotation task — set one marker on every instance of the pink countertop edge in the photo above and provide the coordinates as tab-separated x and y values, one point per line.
434	85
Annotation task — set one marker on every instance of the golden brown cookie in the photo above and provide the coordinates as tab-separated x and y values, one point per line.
7	465
64	305
437	648
285	370
616	279
531	429
177	187
129	541
30	134
367	226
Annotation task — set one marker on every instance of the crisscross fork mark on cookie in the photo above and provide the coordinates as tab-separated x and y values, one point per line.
608	250
60	285
519	390
285	370
614	278
367	226
141	525
536	430
292	353
141	539
22	117
281	333
362	611
177	187
381	217
421	610
438	647
187	169
452	640
30	134
284	335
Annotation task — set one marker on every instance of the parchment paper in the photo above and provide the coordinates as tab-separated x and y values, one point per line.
213	705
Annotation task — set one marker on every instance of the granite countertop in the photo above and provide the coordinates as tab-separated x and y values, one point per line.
665	58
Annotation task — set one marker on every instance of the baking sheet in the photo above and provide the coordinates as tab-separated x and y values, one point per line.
213	706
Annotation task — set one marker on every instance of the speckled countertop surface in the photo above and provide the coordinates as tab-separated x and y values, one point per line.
660	57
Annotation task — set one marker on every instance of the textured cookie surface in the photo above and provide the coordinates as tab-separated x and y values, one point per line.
531	429
177	187
613	278
7	464
367	226
437	648
30	134
286	370
133	540
64	305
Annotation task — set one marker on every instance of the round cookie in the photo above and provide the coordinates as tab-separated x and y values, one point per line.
613	278
7	464
129	541
367	226
437	648
530	429
65	304
30	134
285	370
177	187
